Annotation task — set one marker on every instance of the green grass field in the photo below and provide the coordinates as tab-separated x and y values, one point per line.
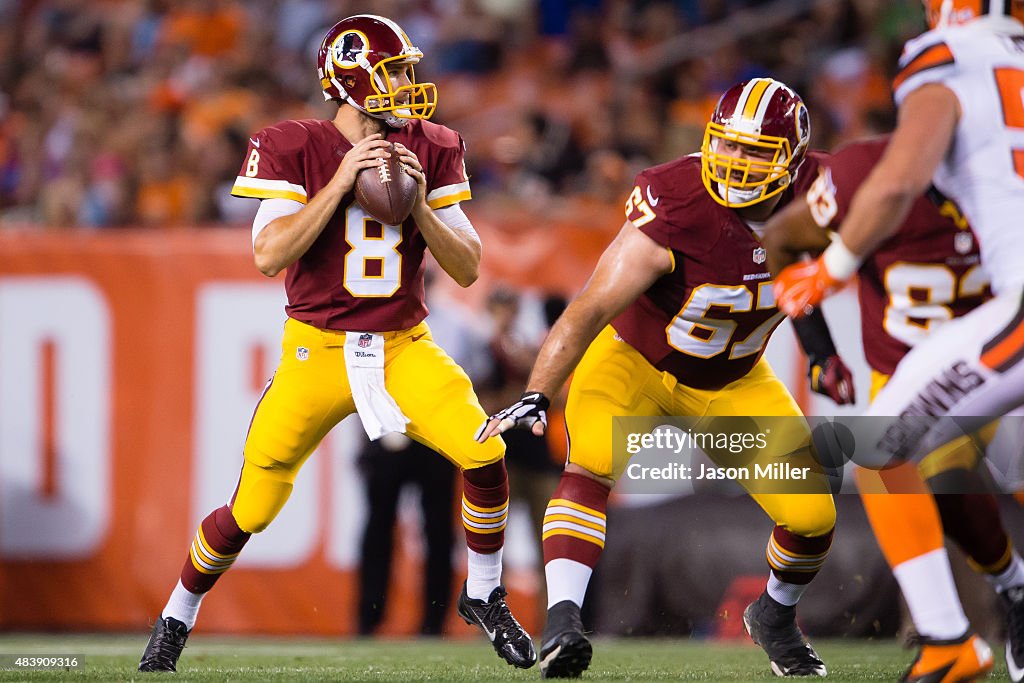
210	658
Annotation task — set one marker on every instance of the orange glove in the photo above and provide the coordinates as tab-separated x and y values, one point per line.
801	287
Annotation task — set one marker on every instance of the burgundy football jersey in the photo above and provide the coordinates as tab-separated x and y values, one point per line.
358	275
708	321
928	272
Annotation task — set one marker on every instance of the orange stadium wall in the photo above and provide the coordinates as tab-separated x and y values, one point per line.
129	366
130	363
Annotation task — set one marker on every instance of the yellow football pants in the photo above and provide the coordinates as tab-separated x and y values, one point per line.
613	379
309	394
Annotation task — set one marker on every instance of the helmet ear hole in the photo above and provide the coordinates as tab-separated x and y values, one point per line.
348	82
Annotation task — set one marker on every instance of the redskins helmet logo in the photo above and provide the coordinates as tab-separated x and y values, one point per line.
803	125
349	49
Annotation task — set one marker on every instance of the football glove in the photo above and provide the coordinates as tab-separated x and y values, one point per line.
528	410
801	287
830	377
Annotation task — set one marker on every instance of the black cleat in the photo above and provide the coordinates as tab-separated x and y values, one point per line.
564	652
510	640
165	645
1013	601
772	625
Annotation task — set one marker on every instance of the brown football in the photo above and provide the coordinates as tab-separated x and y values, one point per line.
386	192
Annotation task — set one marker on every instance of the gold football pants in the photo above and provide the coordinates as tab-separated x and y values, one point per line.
613	379
309	394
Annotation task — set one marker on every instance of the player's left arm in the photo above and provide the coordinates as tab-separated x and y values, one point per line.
801	228
826	371
456	247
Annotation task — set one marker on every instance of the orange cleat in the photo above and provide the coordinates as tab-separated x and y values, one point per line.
951	661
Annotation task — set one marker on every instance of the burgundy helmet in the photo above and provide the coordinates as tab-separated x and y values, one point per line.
768	120
353	66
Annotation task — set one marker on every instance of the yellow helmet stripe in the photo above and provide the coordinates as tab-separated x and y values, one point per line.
754	96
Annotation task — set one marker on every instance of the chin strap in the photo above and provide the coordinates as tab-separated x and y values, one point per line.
388	118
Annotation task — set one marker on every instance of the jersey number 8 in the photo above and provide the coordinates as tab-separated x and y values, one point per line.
373	264
920	296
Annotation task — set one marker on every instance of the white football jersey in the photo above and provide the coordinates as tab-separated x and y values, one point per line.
982	62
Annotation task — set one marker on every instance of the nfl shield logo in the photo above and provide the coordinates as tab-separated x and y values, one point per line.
302	353
963	242
364	341
760	255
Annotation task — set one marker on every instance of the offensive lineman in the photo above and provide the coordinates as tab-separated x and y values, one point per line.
674	321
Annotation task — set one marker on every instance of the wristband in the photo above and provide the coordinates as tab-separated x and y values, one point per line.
840	263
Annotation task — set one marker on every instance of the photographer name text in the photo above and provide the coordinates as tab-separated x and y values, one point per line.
676	471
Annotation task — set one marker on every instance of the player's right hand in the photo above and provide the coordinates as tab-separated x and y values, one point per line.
830	377
529	411
366	153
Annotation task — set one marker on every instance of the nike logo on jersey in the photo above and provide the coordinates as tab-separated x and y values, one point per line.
255	142
653	201
417	337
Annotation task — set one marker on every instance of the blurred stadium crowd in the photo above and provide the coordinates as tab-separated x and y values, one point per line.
135	112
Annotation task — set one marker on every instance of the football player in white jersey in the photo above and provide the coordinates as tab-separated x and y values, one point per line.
961	128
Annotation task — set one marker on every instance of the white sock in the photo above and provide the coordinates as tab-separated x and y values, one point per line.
483	573
927	584
183	605
1010	577
786	593
567	580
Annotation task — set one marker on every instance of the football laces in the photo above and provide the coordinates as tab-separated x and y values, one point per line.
384	171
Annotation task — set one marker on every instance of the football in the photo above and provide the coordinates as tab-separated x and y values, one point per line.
386	192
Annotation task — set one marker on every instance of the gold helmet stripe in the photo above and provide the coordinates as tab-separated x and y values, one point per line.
754	97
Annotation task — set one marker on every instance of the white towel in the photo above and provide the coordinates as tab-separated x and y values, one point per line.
364	360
